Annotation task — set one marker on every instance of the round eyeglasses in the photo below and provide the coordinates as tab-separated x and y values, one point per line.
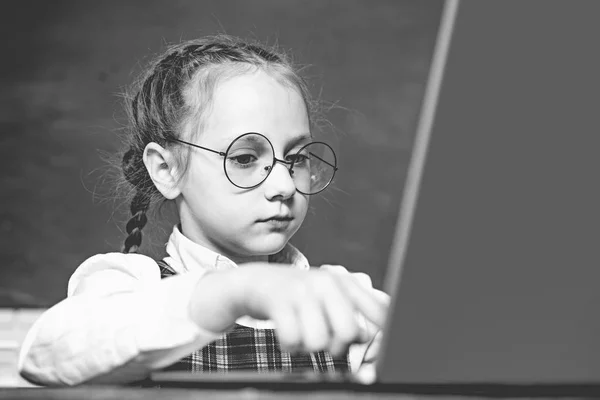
250	158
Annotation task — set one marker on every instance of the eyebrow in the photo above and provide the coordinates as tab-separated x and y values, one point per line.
298	139
303	137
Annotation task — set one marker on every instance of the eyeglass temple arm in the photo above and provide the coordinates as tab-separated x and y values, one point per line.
223	154
316	156
200	147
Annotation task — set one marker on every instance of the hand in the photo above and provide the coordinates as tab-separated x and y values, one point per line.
374	343
312	310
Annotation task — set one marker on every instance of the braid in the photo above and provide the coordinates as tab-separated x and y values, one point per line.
139	206
136	175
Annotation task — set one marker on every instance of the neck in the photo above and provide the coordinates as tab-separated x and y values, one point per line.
241	260
236	258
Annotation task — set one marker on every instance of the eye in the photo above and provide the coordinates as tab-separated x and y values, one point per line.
244	158
297	158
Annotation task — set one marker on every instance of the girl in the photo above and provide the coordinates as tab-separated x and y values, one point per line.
222	128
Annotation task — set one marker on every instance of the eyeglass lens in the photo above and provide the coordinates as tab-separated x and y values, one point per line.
250	158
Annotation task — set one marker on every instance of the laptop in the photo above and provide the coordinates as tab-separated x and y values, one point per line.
495	269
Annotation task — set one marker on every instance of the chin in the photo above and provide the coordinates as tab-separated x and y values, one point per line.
269	245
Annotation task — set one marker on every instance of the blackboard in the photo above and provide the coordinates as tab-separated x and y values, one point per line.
64	64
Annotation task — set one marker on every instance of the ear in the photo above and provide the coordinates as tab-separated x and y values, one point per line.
163	169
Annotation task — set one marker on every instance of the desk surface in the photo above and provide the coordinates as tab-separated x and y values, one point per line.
406	392
184	394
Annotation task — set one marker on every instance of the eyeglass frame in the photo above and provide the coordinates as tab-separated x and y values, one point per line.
275	160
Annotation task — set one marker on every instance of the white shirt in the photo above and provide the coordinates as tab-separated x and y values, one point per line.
121	320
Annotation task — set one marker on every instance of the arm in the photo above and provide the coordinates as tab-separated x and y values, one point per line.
120	321
313	310
119	316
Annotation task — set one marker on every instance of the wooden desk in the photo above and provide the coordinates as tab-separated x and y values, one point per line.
112	393
404	392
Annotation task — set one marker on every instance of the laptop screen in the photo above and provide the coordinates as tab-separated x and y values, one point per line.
496	258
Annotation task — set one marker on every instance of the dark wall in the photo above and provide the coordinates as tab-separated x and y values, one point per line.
65	62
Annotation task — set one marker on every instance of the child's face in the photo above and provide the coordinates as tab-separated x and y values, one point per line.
235	222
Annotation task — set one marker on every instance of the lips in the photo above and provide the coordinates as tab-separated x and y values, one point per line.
278	218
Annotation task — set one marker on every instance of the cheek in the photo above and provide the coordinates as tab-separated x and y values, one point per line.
207	179
302	205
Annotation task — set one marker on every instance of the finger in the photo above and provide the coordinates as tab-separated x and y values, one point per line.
365	281
383	297
373	348
372	306
341	316
366	374
313	323
334	268
347	325
362	278
287	327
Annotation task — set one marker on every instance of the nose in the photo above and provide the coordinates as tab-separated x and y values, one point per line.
279	183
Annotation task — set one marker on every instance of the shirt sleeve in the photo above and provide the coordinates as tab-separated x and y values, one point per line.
119	315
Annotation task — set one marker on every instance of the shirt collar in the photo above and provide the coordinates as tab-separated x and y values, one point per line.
190	256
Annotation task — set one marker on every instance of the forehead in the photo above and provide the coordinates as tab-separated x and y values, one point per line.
255	102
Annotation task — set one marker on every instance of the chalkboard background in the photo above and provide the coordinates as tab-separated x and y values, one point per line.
65	62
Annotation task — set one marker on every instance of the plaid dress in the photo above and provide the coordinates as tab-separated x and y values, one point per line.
250	349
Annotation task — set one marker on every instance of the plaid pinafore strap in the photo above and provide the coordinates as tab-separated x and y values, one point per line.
249	349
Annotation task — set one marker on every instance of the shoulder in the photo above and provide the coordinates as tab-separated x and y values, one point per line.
115	271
